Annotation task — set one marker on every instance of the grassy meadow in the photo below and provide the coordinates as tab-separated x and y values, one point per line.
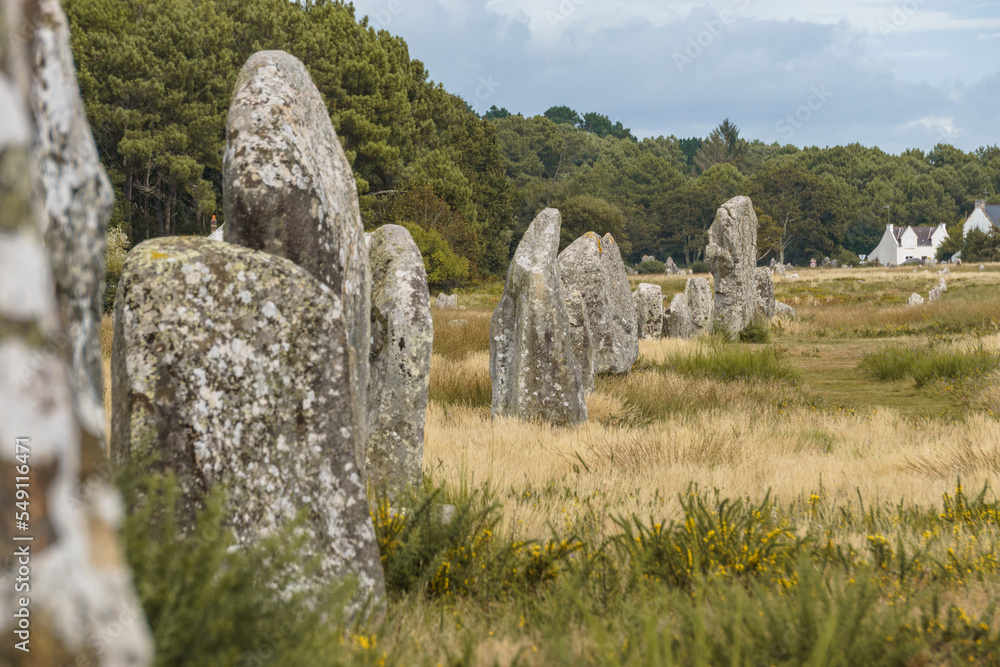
827	497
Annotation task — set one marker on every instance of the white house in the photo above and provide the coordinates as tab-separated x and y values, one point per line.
983	218
899	244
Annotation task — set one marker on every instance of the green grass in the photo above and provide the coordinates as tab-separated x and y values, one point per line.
732	363
929	364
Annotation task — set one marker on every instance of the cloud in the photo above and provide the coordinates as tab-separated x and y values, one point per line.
682	70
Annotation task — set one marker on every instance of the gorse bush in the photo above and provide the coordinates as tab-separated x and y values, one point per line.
699	266
732	363
440	550
726	539
211	603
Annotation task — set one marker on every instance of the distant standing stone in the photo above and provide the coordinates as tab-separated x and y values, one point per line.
580	332
233	367
288	190
534	371
400	360
765	294
593	267
649	310
671	266
779	270
915	300
701	305
677	318
732	256
648	258
783	311
446	301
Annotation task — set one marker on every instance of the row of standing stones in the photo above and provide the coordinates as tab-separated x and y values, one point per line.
567	317
67	595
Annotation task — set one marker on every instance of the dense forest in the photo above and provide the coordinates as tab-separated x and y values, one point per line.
156	77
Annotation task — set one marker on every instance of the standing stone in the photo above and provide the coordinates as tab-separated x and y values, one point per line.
671	267
779	269
934	294
626	332
765	294
915	300
649	310
400	361
783	311
982	268
677	318
534	371
701	306
942	285
648	258
233	367
445	301
79	585
77	203
593	267
732	255
289	191
580	332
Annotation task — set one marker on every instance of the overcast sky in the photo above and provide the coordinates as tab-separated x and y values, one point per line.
889	73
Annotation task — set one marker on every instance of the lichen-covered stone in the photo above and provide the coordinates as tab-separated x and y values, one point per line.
649	310
915	300
219	234
701	305
288	190
77	202
400	360
764	304
233	367
534	371
580	332
783	311
934	294
593	266
446	301
672	267
732	256
80	584
677	318
779	270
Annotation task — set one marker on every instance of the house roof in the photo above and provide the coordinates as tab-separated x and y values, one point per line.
923	234
992	212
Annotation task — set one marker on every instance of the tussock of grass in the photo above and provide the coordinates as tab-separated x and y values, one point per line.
462	382
733	363
458	333
929	364
889	363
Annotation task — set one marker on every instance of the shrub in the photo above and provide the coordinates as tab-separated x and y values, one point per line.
115	250
651	266
443	266
954	365
758	331
210	603
699	266
727	539
889	363
733	363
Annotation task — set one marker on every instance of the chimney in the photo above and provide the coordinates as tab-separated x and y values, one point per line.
215	224
981	204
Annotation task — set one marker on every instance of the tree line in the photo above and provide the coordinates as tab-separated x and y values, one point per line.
157	75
